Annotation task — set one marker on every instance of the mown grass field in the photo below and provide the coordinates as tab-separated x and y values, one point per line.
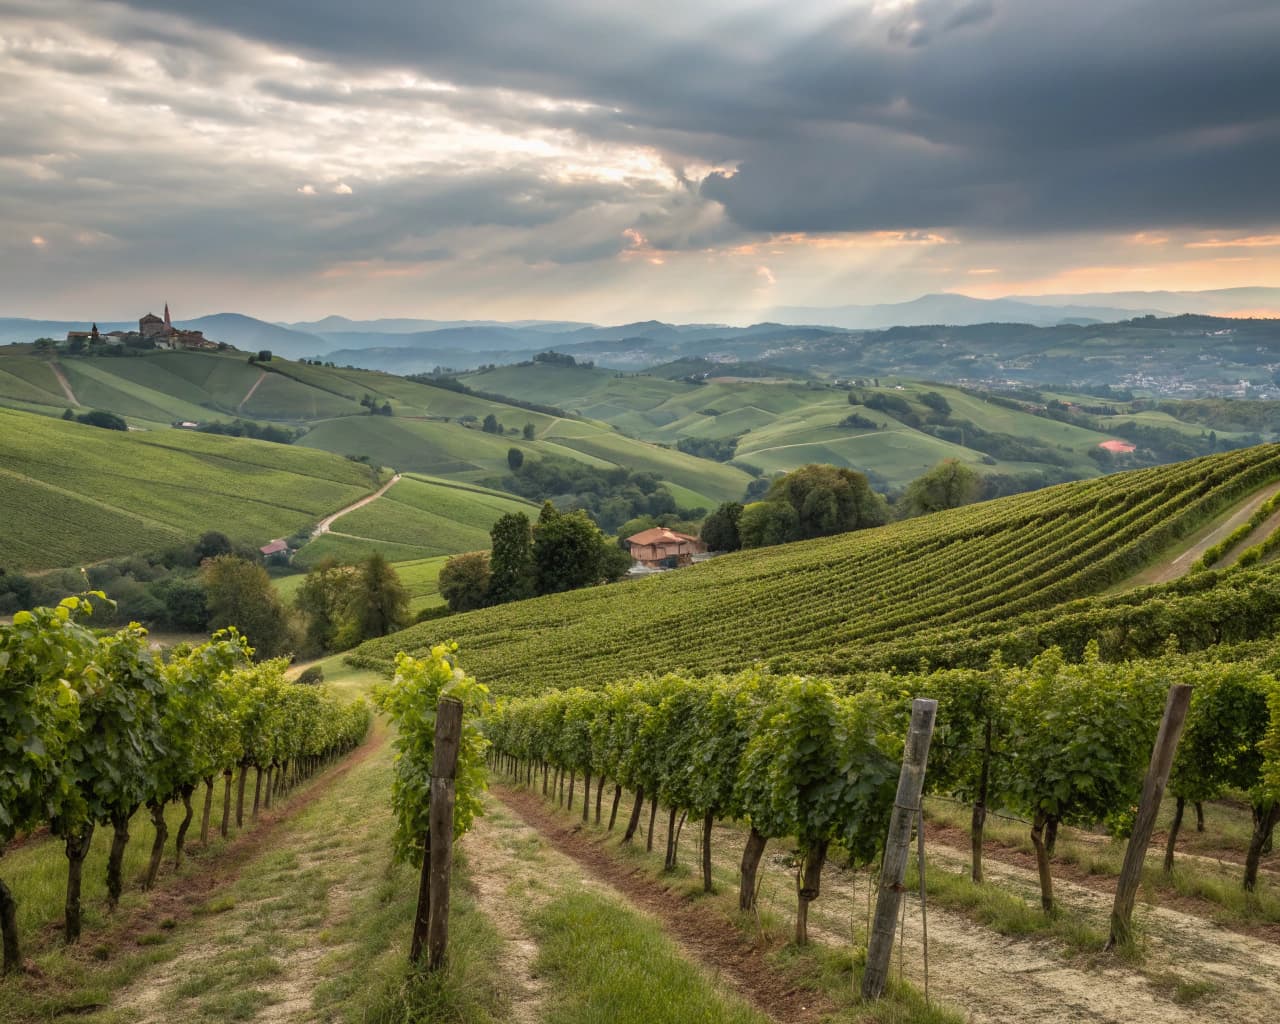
417	524
71	493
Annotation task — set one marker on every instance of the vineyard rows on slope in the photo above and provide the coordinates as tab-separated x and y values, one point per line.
941	587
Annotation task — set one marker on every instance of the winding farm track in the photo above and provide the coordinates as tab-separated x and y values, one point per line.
328	521
1176	568
62	380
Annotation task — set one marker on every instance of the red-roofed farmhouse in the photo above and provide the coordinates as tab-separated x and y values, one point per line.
661	548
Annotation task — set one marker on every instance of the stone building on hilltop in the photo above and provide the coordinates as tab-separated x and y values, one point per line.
159	331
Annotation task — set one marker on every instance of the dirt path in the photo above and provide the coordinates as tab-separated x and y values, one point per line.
997	978
62	380
1194	972
1243	971
702	932
1179	566
328	521
828	440
258	955
249	394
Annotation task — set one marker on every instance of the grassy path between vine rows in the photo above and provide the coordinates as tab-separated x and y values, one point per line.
1189	971
577	950
149	928
816	985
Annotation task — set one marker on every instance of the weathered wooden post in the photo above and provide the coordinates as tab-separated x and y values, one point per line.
897	848
440	815
1175	714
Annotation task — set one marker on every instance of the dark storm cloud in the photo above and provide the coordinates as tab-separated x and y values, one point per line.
1019	116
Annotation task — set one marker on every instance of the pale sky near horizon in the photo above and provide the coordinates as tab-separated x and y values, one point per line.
680	159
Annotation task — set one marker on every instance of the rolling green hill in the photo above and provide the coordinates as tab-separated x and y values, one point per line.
1011	575
432	430
419	518
781	425
71	493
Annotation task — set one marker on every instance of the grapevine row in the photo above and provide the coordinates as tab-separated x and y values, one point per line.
94	726
815	760
940	587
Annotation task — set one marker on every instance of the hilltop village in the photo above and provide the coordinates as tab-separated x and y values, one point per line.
152	332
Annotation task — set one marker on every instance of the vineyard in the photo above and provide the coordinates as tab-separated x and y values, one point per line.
720	744
1014	576
96	727
814	762
71	494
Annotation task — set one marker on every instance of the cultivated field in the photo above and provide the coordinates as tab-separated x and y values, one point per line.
950	588
72	493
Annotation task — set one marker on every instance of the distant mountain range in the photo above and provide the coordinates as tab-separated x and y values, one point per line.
409	344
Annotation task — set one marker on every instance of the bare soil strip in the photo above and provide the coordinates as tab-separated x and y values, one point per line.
66	384
702	930
1194	971
956	841
328	521
294	963
249	394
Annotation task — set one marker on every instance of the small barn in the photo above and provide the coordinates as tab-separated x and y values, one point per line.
661	548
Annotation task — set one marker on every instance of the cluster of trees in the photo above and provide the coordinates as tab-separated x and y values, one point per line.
553	358
812	501
611	496
337	606
213	583
258	431
162	589
718	449
98	418
949	484
96	727
562	551
371	403
344	605
817	501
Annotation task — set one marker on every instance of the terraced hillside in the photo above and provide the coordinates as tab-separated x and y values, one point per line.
71	493
1007	575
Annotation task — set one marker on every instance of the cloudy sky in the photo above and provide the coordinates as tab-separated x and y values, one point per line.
682	159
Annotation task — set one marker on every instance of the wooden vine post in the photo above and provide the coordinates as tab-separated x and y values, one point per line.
906	810
443	769
1175	714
